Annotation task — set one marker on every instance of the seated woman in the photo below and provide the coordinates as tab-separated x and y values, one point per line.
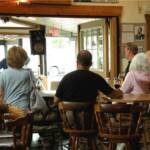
137	80
15	83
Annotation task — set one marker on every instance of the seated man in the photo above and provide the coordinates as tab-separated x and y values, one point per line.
82	85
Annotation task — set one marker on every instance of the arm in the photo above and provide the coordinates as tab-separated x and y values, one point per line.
127	84
56	100
116	94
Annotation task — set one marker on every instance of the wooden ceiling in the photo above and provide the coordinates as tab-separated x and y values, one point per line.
56	8
47	2
38	1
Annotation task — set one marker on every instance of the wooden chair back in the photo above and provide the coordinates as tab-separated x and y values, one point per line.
78	122
119	123
76	115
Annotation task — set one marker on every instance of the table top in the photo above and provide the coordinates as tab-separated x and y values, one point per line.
131	98
48	93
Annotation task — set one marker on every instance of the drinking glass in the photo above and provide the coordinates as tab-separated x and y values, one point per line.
117	83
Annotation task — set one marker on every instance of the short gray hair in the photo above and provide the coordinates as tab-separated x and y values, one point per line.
132	47
140	63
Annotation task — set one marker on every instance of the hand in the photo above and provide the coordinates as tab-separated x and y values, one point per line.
116	94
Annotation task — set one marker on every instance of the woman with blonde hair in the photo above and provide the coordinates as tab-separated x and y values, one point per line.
15	82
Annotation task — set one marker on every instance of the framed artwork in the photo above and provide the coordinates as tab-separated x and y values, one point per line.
133	33
139	32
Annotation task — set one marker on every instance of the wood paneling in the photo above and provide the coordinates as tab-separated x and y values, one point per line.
148	30
59	10
62	2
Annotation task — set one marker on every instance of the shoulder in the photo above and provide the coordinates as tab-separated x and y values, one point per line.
130	76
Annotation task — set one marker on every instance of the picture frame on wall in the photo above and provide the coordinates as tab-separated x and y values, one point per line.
139	33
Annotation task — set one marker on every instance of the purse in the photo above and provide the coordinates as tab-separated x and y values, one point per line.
37	102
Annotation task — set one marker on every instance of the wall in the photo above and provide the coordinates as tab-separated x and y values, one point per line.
133	10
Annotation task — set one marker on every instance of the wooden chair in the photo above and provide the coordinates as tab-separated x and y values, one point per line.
78	122
18	134
119	123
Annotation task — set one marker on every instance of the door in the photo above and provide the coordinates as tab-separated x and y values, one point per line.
100	38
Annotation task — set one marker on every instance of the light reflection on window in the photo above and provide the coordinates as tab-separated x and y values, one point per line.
93	41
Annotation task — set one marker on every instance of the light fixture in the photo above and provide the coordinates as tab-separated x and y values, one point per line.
23	2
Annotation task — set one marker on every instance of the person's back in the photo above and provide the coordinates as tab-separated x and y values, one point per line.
82	84
16	87
15	82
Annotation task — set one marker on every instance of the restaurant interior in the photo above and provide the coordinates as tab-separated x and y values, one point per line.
53	32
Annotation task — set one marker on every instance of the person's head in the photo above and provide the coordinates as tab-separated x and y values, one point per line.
130	50
140	63
139	30
84	59
16	57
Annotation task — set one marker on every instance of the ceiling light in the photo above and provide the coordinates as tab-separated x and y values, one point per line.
22	1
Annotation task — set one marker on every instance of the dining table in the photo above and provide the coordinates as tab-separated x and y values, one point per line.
132	98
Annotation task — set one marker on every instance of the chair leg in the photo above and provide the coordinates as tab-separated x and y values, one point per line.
129	147
110	146
76	143
145	141
73	143
94	145
145	135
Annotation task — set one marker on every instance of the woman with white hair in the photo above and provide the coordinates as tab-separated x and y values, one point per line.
137	80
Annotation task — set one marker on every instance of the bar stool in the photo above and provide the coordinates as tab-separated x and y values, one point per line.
17	134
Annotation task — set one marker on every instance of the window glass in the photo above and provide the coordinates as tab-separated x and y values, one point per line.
60	55
2	52
34	59
92	39
61	59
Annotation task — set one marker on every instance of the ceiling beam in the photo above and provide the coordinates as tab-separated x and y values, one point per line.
59	10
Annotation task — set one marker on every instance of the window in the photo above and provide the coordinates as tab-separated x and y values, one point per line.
60	55
93	41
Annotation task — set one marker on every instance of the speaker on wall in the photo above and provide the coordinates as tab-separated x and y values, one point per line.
37	41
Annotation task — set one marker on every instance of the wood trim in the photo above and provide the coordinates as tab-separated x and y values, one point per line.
15	20
57	2
147	16
59	10
114	54
18	28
